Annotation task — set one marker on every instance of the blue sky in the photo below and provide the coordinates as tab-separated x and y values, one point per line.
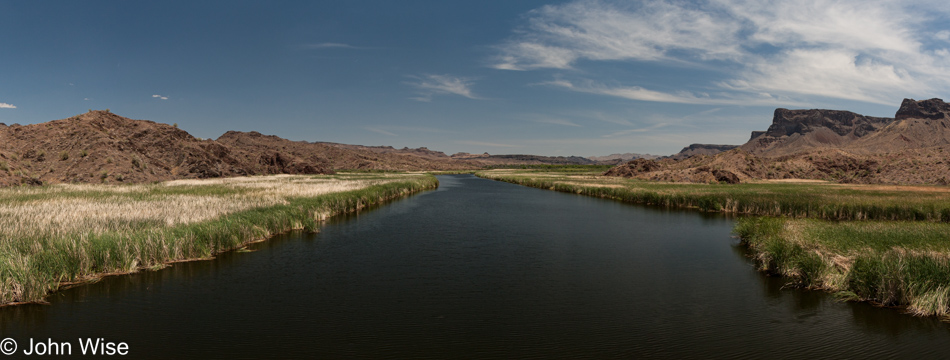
537	77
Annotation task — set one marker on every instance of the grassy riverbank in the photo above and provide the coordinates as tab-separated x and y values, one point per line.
62	234
889	245
798	200
892	263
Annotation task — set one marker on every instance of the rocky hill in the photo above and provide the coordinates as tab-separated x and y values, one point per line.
334	156
841	146
796	131
422	152
100	146
917	125
702	149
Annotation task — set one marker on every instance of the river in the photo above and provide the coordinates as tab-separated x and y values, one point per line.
479	269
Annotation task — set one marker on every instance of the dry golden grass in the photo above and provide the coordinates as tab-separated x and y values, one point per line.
112	208
67	233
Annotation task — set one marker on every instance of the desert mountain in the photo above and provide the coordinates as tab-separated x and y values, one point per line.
100	146
277	151
702	149
911	148
796	131
917	125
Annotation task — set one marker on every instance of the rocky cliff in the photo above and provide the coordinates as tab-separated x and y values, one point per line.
797	131
832	145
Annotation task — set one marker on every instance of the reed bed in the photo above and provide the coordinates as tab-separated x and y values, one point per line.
797	200
899	263
72	233
888	245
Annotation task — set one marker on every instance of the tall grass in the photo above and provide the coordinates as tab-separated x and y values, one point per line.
72	233
890	263
884	244
822	201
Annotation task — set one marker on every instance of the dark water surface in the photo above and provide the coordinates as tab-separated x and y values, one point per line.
480	269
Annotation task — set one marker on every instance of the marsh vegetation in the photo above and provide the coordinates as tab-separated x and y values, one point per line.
63	234
889	245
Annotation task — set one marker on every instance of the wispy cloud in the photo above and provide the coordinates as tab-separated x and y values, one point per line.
680	97
160	97
331	45
555	121
6	106
633	131
428	86
766	51
380	131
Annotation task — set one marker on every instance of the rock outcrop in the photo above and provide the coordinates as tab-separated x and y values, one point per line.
798	131
272	151
633	168
832	145
100	146
932	109
702	149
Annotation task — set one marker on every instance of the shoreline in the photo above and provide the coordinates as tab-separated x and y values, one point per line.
59	265
896	255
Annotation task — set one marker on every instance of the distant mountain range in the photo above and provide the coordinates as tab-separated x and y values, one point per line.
910	148
617	158
100	146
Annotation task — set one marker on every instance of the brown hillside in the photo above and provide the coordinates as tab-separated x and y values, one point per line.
99	146
841	146
917	125
254	146
799	131
702	149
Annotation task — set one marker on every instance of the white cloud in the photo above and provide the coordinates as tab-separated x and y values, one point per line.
6	106
160	97
428	86
681	97
770	52
557	36
832	73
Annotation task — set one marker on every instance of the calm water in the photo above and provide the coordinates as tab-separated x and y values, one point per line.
480	269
